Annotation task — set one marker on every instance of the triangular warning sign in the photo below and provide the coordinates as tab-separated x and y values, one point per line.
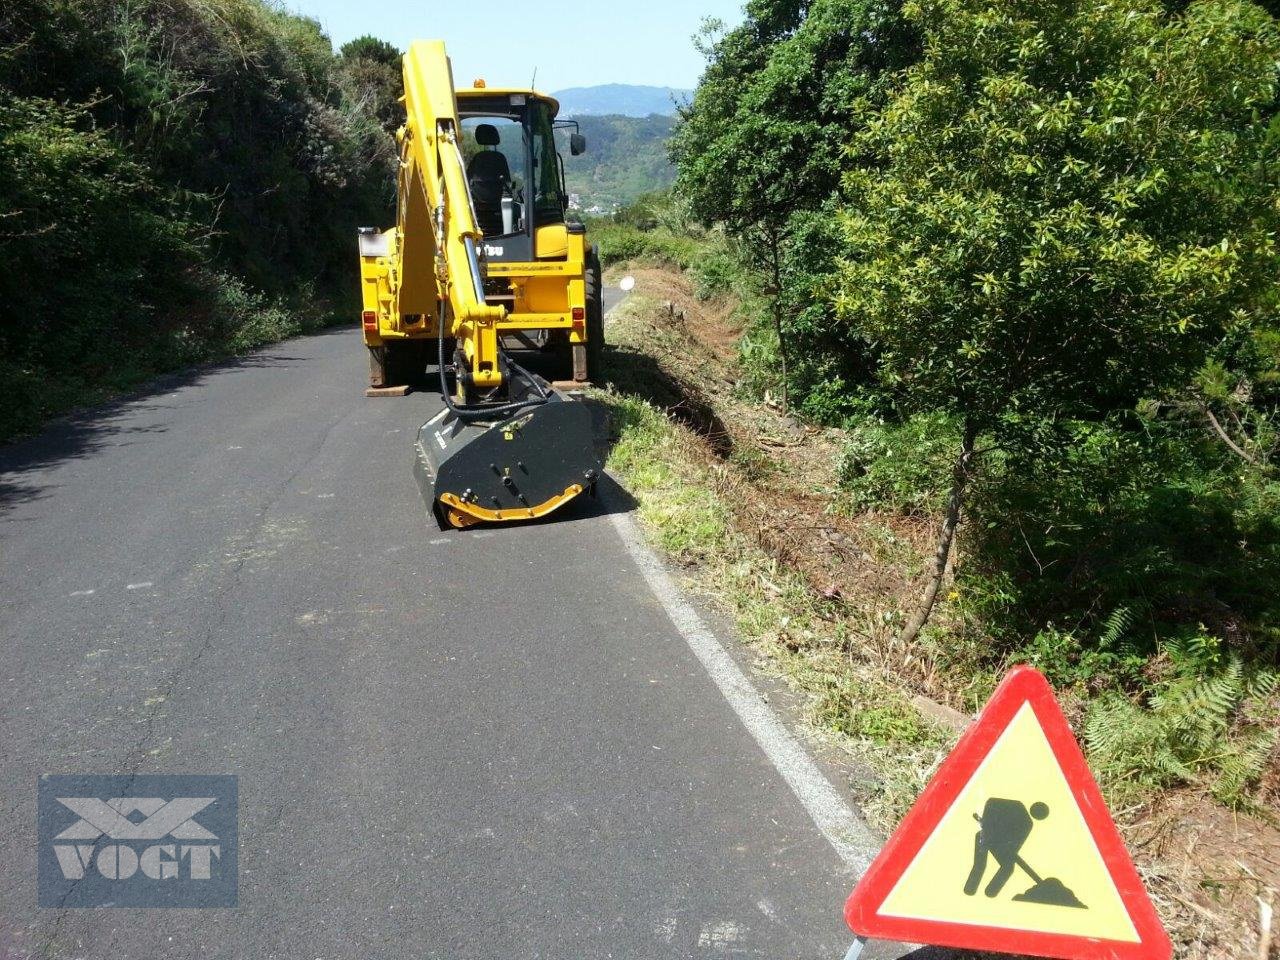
1010	848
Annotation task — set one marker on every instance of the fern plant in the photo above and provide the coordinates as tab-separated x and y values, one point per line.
1111	657
1216	729
1116	628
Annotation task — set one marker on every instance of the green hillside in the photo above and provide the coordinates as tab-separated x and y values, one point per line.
626	157
179	180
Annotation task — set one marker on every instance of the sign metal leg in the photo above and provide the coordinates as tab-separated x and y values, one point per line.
855	951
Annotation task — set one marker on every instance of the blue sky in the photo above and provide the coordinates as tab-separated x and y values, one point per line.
576	43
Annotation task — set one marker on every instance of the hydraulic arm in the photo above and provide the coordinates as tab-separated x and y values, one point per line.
436	207
506	446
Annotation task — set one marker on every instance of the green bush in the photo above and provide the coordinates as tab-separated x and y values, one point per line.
715	271
896	466
823	395
621	242
758	350
1077	658
1137	515
178	179
1211	724
99	258
617	242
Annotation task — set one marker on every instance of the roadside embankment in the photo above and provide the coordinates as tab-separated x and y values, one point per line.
747	500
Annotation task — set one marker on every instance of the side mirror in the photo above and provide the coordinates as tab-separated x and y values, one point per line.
577	144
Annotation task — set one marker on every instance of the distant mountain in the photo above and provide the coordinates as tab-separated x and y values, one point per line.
620	99
626	156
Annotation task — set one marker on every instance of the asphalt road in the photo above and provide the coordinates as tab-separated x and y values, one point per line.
486	744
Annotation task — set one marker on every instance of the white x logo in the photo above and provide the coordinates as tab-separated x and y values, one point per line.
111	817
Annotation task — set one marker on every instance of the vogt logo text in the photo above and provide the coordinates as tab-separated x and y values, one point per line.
119	861
146	841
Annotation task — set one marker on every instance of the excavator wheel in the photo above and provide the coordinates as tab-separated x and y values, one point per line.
394	368
595	316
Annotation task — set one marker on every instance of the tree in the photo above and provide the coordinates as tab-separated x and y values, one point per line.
1058	214
371	48
373	65
765	135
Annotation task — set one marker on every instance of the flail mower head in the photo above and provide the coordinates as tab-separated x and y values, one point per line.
519	467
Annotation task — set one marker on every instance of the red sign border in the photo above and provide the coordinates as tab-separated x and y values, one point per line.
1022	685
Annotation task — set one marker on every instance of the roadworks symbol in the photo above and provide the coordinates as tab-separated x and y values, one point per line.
1015	839
1010	848
1004	826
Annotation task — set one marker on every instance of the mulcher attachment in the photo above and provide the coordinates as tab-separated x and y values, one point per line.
519	467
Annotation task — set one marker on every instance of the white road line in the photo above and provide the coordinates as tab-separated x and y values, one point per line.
843	828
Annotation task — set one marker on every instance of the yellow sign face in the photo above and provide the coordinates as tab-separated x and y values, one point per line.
1010	848
1013	851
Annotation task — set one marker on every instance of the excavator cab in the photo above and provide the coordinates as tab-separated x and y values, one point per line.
511	150
489	175
516	175
484	262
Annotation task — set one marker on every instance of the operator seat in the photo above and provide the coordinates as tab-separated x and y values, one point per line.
488	175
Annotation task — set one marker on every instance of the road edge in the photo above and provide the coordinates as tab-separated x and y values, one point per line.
843	828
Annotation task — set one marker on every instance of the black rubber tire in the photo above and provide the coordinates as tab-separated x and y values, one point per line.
595	316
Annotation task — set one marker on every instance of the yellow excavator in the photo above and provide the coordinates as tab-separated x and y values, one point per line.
483	263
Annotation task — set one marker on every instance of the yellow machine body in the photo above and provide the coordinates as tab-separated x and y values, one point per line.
482	253
404	275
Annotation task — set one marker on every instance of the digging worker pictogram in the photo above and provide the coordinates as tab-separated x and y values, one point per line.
1003	829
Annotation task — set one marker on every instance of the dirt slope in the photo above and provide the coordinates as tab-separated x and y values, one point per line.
1210	870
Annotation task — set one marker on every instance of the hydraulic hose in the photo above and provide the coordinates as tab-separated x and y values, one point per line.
470	413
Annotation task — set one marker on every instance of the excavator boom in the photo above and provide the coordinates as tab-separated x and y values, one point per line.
506	446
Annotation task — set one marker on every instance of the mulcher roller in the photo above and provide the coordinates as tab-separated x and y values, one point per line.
518	467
